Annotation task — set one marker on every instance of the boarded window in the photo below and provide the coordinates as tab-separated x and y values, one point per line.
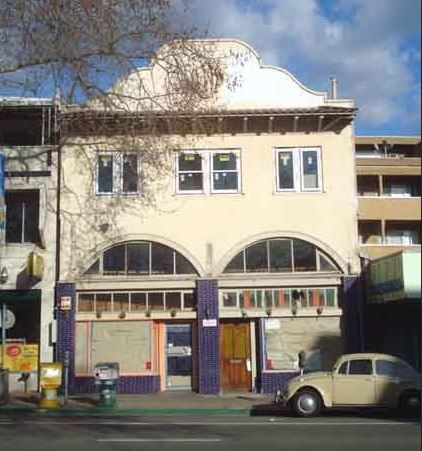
128	343
81	348
284	339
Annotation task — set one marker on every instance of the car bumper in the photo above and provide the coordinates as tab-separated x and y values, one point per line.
280	398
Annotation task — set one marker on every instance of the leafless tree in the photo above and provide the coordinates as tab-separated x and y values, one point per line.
80	48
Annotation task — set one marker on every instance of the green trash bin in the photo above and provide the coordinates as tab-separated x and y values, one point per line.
106	377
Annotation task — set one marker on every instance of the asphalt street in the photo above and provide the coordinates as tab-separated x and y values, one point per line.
173	433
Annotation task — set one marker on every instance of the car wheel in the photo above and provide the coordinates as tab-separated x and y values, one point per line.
410	403
306	403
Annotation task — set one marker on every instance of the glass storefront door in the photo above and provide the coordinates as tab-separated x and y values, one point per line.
178	357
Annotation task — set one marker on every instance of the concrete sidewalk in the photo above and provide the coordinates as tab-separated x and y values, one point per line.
187	403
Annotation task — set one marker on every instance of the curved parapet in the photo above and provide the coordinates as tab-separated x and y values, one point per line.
244	83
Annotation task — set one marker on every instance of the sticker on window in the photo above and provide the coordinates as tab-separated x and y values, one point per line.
189	157
224	157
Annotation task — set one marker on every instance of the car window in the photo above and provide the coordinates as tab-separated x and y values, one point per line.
385	368
343	368
393	369
360	367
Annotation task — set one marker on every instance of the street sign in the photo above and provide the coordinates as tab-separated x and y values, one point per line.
9	319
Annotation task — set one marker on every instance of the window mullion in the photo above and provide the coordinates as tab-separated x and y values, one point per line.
299	170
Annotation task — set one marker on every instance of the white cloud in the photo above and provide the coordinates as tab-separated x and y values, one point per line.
365	43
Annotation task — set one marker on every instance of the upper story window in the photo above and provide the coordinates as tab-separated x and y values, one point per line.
206	172
141	258
22	216
117	173
298	169
281	255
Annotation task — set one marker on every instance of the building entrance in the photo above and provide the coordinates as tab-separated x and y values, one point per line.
178	357
235	361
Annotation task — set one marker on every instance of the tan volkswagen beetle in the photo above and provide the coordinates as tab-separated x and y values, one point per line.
356	380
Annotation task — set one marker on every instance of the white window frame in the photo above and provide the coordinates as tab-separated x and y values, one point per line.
97	170
212	154
295	166
298	174
120	164
178	172
117	161
317	150
208	171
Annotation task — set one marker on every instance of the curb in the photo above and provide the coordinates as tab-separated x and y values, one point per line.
124	411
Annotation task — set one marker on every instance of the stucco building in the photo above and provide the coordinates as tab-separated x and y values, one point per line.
208	259
28	181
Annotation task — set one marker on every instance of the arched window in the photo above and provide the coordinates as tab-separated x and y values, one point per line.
138	258
281	255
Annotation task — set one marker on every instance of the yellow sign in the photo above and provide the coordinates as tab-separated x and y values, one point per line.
35	265
20	358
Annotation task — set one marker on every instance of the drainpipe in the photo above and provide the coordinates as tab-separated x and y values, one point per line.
58	191
334	86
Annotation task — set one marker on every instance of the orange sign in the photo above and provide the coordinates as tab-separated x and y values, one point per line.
20	358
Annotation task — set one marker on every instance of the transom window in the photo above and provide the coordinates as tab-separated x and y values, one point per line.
298	169
135	302
279	298
141	258
117	173
208	172
281	255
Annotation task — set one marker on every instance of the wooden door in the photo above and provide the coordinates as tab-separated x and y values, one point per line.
235	356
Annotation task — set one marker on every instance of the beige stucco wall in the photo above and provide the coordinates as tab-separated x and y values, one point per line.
13	256
227	221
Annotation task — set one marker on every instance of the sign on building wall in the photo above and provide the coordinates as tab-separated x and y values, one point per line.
386	279
20	358
396	277
2	201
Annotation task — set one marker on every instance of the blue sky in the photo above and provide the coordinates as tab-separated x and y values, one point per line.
371	46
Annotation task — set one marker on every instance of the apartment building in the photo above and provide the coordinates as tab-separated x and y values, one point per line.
208	261
28	131
389	190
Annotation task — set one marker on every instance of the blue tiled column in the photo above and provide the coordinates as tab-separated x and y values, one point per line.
208	338
352	320
66	328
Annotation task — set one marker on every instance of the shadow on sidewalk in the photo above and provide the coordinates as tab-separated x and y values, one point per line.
275	410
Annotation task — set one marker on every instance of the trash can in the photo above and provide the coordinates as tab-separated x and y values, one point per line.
106	376
4	386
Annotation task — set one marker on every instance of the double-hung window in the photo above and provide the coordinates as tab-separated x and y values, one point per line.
208	172
117	173
190	168
225	172
298	169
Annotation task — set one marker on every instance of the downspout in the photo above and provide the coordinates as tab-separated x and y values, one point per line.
58	204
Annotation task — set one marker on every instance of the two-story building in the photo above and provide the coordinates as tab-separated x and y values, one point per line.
205	250
28	131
